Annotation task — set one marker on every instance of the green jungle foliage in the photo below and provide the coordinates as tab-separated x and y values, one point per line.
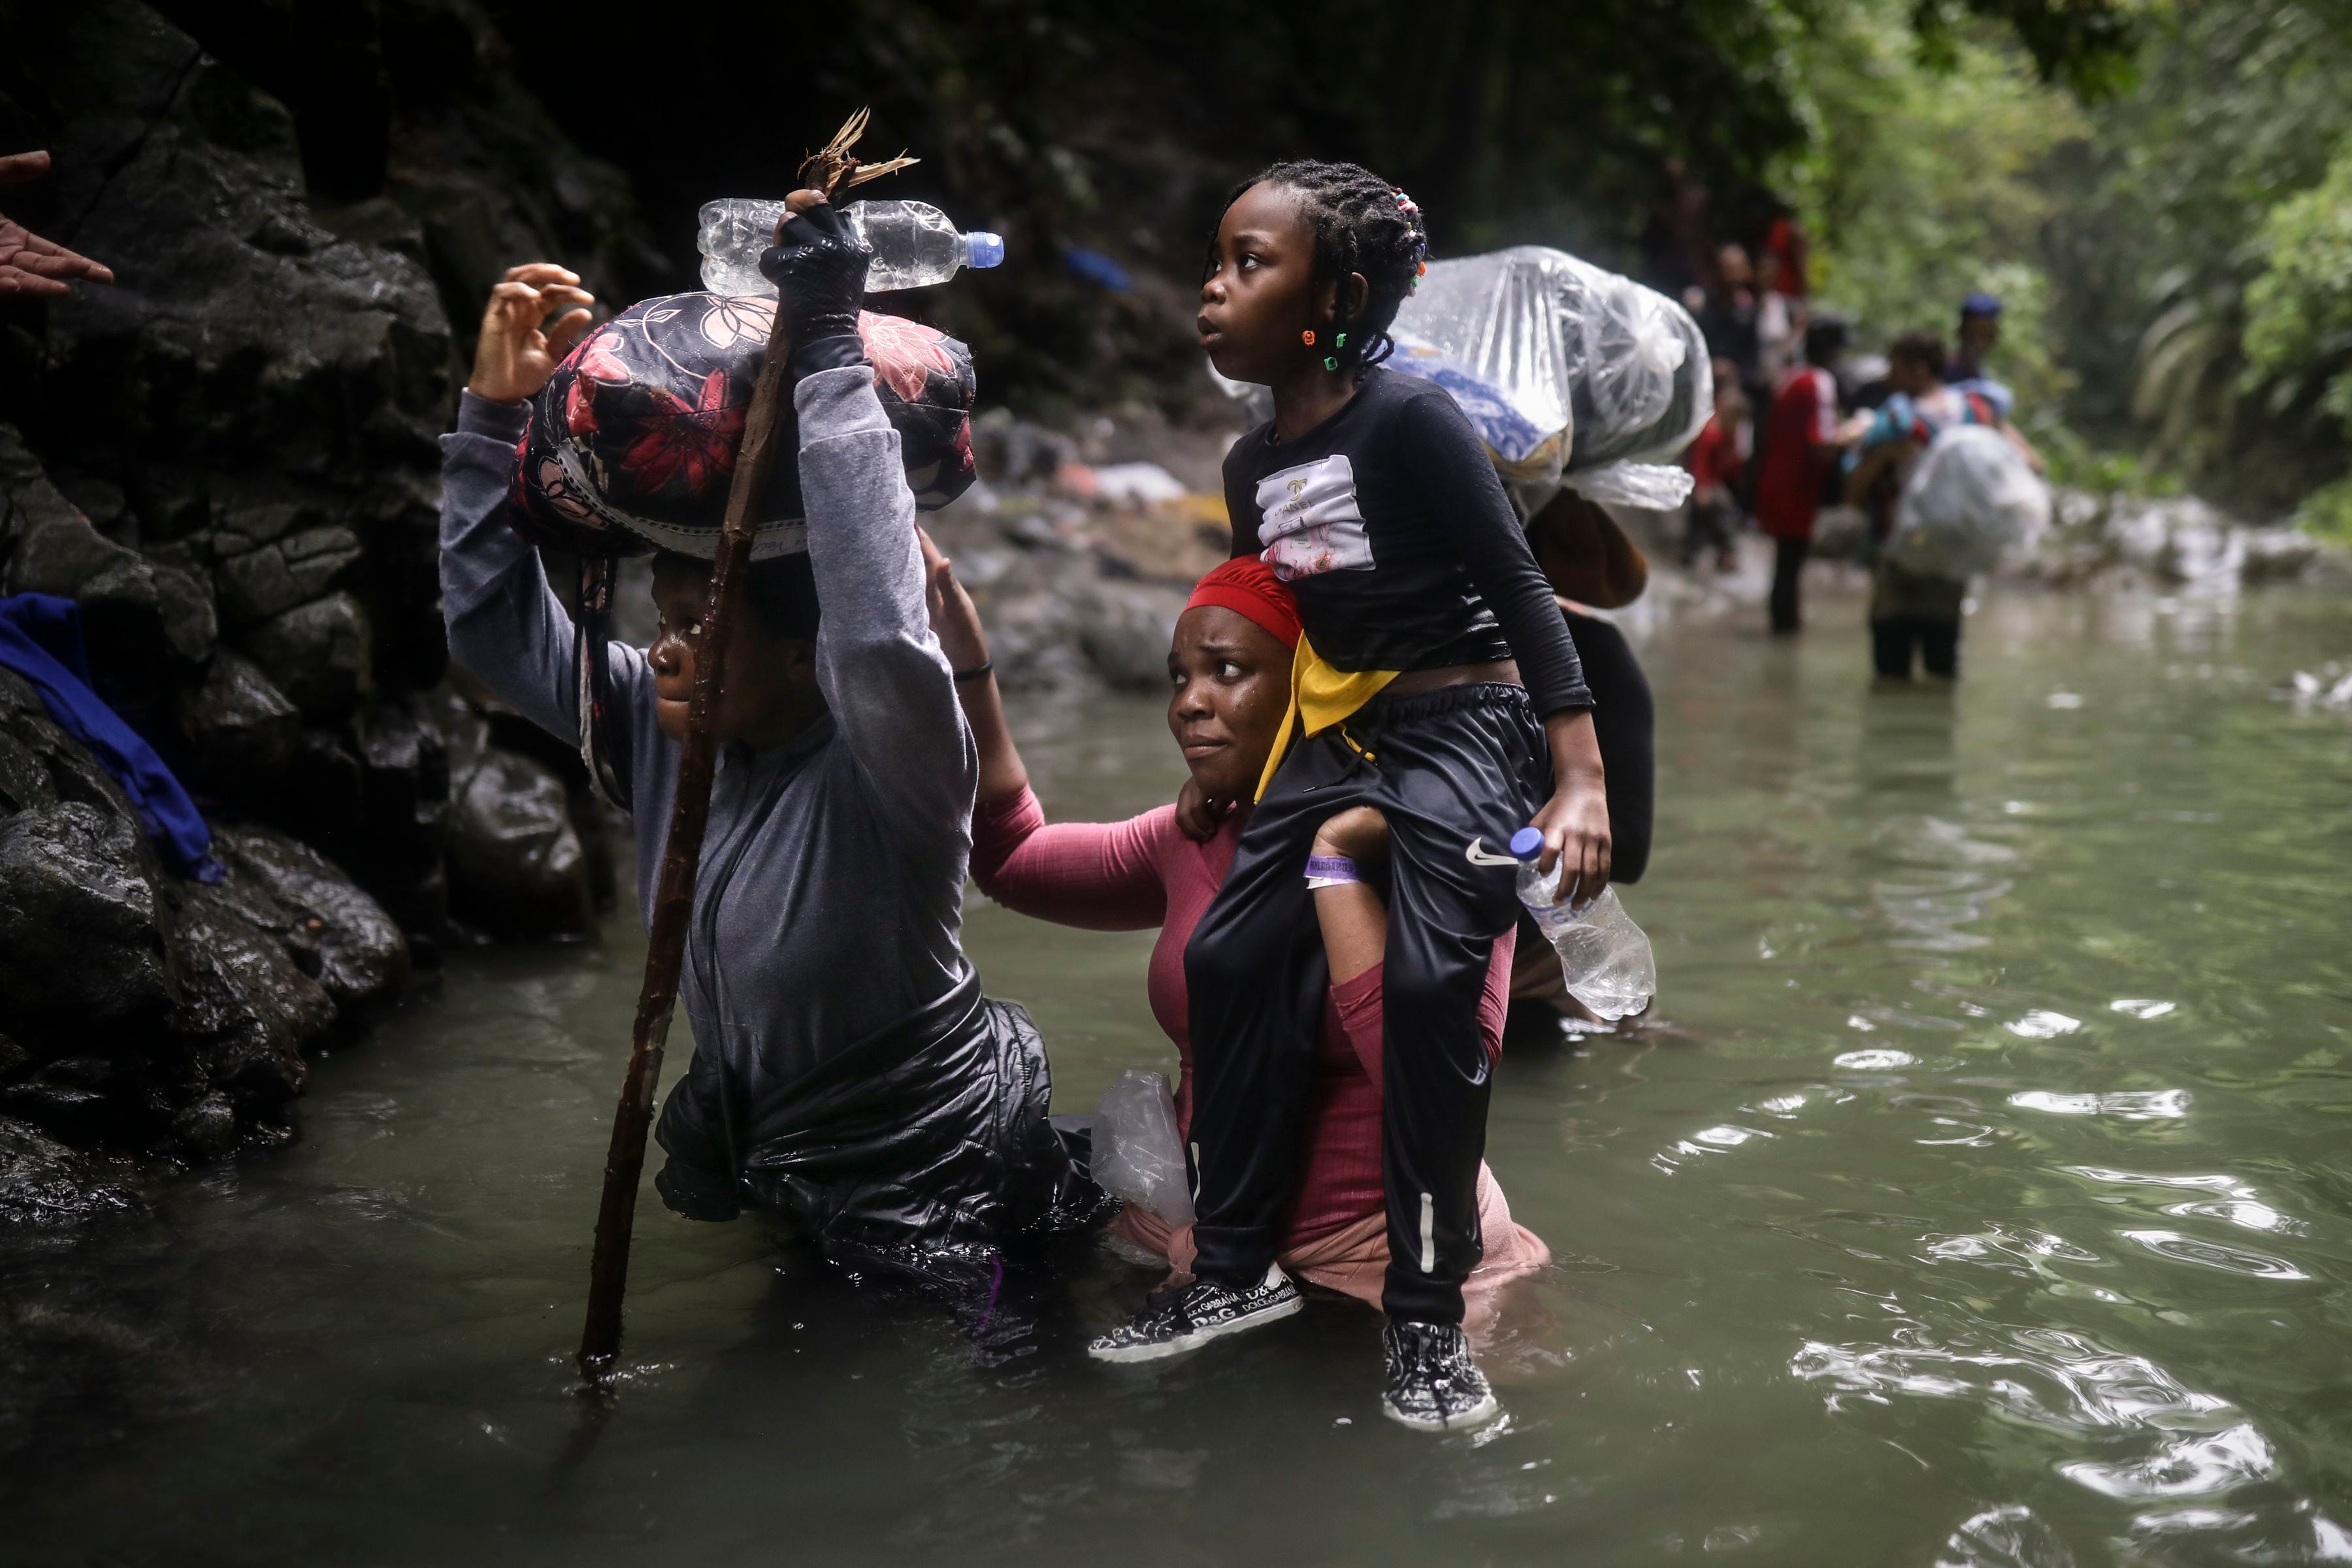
2173	240
2156	188
1118	129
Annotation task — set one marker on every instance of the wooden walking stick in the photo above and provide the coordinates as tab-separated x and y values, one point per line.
830	171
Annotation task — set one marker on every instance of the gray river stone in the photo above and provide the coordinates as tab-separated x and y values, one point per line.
243	734
361	958
81	943
248	1004
321	652
517	866
44	1186
270	579
133	607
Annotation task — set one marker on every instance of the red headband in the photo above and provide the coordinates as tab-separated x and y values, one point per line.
1247	586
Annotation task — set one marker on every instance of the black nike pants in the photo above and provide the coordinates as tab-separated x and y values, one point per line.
1463	765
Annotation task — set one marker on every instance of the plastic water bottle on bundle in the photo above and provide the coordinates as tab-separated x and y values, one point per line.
913	243
1603	955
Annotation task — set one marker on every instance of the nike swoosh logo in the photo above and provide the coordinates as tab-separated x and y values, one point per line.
1477	855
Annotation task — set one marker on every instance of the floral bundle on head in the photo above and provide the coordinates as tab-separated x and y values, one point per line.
632	445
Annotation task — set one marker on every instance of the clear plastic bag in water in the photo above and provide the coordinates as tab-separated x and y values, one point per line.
1561	367
1604	957
1968	496
1137	1153
914	244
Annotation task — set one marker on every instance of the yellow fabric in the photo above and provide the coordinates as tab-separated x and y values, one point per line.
1320	697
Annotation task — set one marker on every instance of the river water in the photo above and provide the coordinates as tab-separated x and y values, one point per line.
1979	1192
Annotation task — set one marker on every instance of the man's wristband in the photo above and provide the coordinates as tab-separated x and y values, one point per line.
975	672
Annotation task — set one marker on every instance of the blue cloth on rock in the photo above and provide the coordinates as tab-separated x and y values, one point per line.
40	639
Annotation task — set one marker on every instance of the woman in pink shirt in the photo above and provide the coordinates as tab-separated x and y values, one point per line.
1230	669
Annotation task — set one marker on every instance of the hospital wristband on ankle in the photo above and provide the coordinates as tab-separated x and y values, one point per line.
1330	872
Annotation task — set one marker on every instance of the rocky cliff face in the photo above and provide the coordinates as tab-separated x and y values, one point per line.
228	457
146	1011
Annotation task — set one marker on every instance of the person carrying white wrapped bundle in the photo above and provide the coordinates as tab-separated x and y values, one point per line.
1570	373
1948	483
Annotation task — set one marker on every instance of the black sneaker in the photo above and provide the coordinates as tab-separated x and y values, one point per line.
1433	1385
1202	1312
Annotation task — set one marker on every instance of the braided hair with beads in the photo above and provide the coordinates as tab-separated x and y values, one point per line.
1363	225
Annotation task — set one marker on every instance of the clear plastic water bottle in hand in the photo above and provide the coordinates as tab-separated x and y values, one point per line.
913	243
1603	955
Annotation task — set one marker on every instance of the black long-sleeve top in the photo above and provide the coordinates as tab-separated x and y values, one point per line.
1389	523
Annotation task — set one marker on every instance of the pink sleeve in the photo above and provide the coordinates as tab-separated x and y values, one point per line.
1359	1003
1824	408
1098	876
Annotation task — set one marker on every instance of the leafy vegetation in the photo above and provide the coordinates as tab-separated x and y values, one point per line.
2171	228
2299	308
2156	189
1118	129
1920	186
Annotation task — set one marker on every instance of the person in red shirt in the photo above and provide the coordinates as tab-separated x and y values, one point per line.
1803	438
1788	250
1715	460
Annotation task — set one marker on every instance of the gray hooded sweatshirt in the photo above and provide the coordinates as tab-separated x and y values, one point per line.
834	868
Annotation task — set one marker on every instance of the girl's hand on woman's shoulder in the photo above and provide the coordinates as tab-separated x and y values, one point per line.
519	347
1197	816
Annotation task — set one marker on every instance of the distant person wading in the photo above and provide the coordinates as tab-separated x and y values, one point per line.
1914	614
1803	442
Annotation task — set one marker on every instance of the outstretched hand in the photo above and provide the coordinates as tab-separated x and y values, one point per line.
519	348
29	264
955	619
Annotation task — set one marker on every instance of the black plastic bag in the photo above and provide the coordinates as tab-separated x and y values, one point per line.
928	1134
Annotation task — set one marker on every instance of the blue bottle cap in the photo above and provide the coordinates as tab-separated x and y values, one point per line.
1527	844
982	248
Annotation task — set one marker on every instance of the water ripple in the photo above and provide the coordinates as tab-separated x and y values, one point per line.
1997	1242
1874	1062
2188	1467
2042	1377
1932	841
2179	1249
2129	1105
2244	1215
2191	1443
2203	1535
2005	1537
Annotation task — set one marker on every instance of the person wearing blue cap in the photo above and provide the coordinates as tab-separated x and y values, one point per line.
1979	331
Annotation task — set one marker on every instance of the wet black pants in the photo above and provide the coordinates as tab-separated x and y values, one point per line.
1450	769
1788	570
1891	638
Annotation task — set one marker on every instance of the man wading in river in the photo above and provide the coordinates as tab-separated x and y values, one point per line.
847	1072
